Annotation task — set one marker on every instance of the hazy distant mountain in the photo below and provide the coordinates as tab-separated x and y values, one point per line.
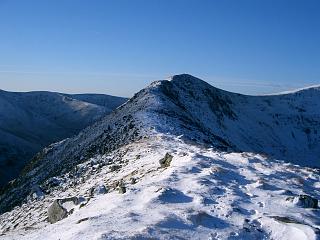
30	121
180	160
107	101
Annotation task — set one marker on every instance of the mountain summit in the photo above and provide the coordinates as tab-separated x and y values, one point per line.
222	143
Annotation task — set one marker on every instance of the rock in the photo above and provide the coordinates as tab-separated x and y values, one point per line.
133	180
122	189
114	184
50	184
303	201
306	201
84	202
114	168
37	193
166	161
56	212
83	205
98	190
81	200
82	220
54	182
285	219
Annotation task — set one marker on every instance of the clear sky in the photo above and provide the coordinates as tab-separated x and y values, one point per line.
119	46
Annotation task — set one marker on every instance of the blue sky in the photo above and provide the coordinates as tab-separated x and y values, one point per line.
119	46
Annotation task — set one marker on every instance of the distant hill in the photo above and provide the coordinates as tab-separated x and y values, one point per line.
32	120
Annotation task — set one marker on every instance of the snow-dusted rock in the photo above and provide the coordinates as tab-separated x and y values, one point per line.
122	189
306	201
62	208
56	212
98	190
165	162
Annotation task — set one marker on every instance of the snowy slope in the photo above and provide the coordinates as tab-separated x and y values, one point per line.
283	126
33	120
218	186
204	194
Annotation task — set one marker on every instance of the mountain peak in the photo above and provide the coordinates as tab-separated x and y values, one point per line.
185	78
182	77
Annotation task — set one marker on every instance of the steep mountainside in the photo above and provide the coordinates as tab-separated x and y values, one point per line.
33	120
284	126
204	182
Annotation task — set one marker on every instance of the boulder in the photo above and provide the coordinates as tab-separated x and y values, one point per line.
166	161
57	211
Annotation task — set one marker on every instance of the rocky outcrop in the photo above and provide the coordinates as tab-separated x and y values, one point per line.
166	161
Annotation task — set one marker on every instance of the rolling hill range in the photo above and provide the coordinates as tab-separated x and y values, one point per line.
181	159
30	121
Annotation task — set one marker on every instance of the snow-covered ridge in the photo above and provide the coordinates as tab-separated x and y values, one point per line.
223	175
284	127
202	194
32	120
309	88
